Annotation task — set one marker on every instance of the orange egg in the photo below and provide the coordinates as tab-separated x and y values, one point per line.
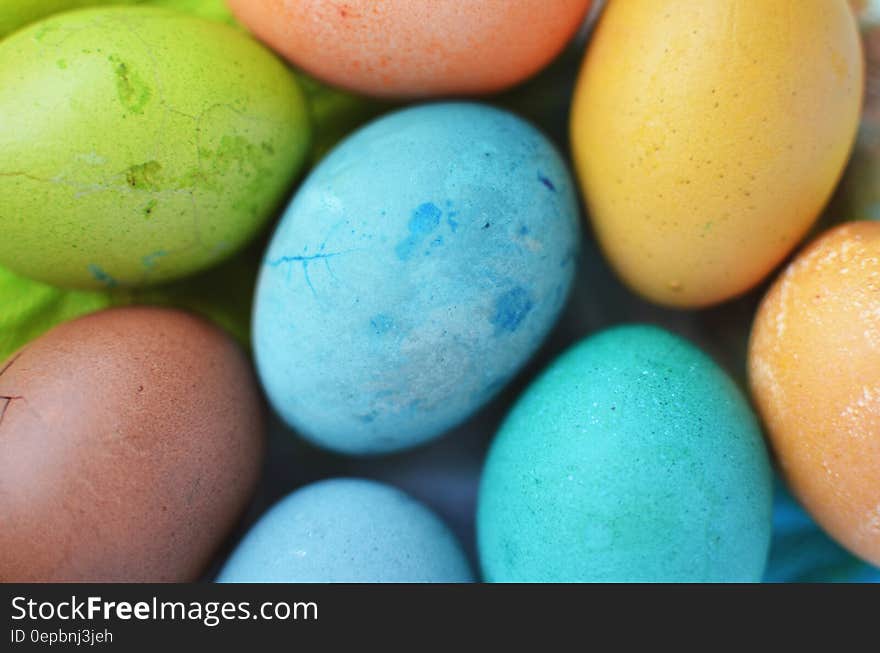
416	48
814	366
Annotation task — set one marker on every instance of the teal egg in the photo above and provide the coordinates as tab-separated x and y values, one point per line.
634	457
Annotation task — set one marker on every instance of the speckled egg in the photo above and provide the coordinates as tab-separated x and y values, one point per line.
709	136
130	442
632	458
814	366
409	49
416	270
139	145
348	531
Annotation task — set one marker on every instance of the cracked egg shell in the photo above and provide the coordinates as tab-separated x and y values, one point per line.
416	49
139	145
814	368
419	266
130	442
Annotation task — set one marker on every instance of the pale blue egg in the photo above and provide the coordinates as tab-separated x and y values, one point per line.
633	457
348	531
417	269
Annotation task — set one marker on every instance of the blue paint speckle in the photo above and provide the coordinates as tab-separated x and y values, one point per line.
381	324
149	261
511	309
425	219
549	184
99	275
523	231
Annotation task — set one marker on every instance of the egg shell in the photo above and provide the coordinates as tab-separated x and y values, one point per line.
632	458
211	9
139	145
130	441
814	366
708	138
801	552
15	14
348	531
416	49
417	269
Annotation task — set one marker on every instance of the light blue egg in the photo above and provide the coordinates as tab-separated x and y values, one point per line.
348	531
802	553
417	269
632	458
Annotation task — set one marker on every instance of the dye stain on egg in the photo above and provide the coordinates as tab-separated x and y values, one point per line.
416	270
140	145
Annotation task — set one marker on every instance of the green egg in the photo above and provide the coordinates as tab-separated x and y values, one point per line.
632	458
15	14
213	9
139	145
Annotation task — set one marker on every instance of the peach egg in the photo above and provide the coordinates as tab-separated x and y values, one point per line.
416	49
814	365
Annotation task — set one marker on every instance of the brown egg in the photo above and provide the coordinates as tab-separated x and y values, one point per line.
130	443
814	366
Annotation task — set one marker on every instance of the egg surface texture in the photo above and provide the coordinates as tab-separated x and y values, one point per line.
411	49
15	14
416	270
130	441
708	136
348	531
632	458
814	364
138	145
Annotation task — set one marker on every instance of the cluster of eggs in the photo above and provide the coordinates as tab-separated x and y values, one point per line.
422	258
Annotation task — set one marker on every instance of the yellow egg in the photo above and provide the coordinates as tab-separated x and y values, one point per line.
708	136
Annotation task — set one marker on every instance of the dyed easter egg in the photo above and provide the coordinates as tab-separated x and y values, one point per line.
130	442
632	458
708	138
139	145
417	269
814	364
211	9
416	49
348	531
15	14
